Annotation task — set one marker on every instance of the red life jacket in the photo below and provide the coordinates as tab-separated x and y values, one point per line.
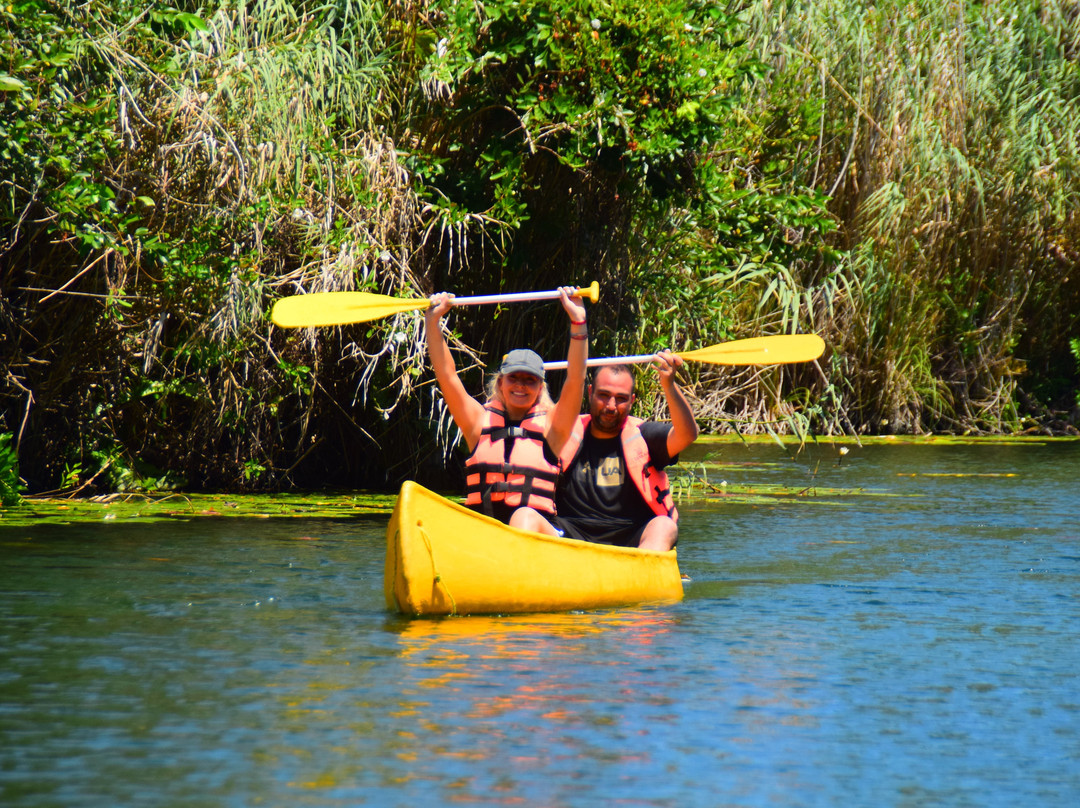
512	464
651	482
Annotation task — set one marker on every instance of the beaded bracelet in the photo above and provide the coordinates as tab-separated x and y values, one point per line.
580	336
574	322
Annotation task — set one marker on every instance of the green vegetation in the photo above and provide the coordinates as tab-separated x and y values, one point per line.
11	486
1074	346
145	508
901	178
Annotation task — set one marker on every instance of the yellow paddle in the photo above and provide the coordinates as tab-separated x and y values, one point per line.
779	350
342	308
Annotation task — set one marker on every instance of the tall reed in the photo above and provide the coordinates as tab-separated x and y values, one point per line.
949	148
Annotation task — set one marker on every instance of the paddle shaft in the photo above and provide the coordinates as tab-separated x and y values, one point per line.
636	359
518	297
777	350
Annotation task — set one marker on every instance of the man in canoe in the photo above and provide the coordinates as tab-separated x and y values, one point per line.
613	489
516	435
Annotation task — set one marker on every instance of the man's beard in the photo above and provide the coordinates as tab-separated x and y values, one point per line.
608	422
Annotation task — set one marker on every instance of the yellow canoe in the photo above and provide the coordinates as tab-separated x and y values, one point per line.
442	558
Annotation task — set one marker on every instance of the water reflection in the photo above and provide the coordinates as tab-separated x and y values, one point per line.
498	631
460	649
478	686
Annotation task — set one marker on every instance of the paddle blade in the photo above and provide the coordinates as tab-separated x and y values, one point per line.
338	308
779	350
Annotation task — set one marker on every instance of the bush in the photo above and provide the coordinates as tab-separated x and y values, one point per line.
10	484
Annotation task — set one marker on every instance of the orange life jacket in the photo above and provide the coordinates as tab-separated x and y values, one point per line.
651	482
512	463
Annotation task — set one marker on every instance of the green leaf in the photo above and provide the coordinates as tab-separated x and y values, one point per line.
191	22
688	110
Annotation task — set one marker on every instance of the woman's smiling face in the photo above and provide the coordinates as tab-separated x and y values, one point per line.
519	390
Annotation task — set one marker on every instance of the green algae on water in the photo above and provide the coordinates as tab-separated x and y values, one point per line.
185	507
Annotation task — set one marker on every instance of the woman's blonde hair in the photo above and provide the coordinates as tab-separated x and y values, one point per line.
494	394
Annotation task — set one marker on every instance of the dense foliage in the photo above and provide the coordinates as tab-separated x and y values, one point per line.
166	164
11	486
901	178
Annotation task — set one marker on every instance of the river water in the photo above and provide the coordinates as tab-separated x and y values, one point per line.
903	633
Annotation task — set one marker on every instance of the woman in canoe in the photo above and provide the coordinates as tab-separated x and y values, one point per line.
515	436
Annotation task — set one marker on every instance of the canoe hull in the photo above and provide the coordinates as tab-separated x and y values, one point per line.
442	558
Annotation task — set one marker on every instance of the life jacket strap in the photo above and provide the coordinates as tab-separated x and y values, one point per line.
505	469
663	495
